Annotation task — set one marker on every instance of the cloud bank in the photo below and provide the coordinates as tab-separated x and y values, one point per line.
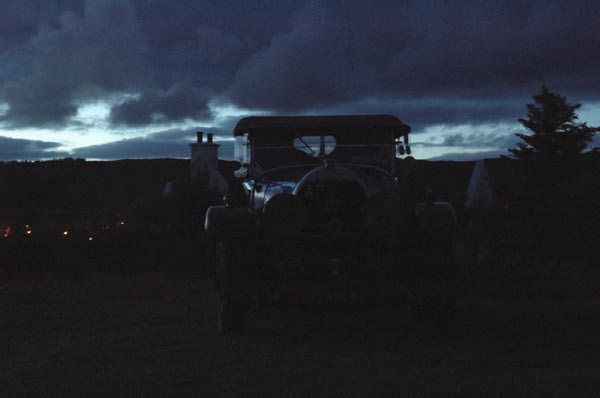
21	149
427	62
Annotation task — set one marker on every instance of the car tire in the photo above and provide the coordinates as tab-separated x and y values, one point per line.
231	315
231	306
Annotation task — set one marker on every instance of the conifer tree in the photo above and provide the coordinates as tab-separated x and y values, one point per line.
556	132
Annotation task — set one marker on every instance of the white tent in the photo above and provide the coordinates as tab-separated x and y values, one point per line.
479	191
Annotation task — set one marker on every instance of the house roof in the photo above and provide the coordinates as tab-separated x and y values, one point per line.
342	124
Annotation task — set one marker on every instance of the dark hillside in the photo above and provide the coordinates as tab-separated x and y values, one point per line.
116	220
447	180
71	190
65	217
68	190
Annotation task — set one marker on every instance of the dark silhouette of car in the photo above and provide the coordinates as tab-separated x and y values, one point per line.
319	217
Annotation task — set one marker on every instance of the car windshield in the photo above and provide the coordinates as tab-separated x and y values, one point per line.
272	150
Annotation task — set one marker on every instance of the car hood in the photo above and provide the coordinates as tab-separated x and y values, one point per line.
290	179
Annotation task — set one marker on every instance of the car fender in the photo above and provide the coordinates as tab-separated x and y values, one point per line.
227	223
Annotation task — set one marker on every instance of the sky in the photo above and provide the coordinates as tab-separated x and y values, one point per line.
114	79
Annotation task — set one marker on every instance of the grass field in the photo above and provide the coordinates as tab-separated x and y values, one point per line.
151	336
132	313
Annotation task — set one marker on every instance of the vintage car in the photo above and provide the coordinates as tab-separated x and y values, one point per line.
320	217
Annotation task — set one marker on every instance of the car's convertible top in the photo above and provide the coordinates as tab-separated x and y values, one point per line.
330	125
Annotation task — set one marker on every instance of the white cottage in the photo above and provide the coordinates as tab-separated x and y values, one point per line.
204	160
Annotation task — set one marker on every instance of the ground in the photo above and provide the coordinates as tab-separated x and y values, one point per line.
151	336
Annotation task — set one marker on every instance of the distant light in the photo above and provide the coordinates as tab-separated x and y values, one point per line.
122	222
65	233
28	232
6	232
26	225
91	238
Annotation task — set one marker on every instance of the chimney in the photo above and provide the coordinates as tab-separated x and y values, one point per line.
207	151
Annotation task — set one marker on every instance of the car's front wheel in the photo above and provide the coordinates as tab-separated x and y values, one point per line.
231	303
231	315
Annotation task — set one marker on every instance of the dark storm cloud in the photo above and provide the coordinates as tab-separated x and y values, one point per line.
20	149
20	19
83	57
420	113
339	53
163	144
479	140
207	41
180	101
427	62
62	55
